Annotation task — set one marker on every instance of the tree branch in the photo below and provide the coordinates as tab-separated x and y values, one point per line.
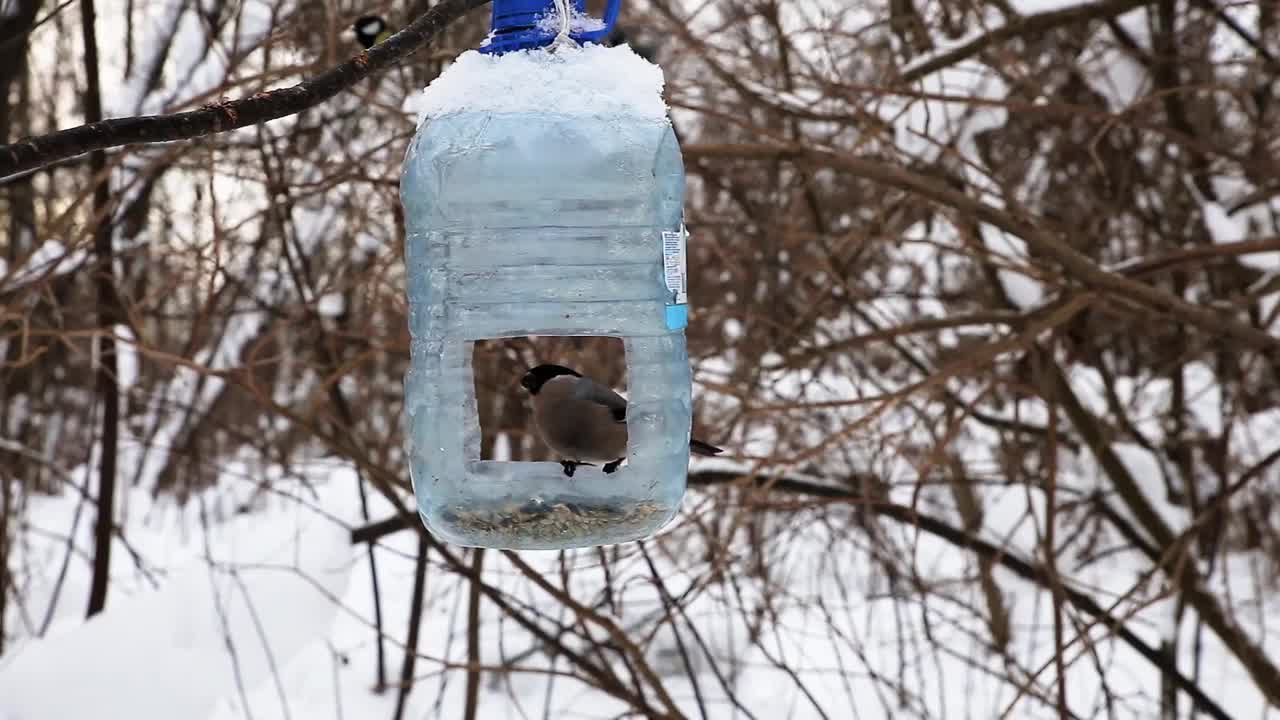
1036	24
1077	265
1174	549
602	674
107	387
220	117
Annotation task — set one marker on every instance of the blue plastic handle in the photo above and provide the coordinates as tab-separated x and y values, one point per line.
610	19
516	24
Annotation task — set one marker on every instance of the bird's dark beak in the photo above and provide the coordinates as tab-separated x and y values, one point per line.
528	382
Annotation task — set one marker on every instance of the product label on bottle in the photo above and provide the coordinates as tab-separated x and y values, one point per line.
675	266
675	270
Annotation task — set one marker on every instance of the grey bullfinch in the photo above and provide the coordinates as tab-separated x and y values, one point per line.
583	421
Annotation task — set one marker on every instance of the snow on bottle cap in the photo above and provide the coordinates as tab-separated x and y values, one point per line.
592	80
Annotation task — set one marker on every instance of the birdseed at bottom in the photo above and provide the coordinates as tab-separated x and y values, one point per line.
554	519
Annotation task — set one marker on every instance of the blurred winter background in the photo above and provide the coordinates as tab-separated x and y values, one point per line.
984	308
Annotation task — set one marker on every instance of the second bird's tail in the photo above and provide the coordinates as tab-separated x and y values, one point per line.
697	447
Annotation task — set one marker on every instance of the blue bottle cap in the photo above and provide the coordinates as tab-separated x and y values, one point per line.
516	24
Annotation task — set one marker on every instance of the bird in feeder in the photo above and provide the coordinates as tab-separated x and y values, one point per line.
582	420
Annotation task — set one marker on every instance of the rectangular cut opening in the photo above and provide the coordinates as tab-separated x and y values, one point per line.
483	476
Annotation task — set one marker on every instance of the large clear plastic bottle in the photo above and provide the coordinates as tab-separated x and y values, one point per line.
556	220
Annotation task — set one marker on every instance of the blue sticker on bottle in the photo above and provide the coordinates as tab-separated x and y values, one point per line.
675	270
677	317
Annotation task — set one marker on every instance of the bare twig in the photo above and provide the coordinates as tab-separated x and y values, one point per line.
219	117
473	638
415	626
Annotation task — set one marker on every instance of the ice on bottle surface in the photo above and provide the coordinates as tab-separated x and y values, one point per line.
543	195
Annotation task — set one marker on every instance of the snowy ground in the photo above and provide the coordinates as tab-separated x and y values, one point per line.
267	614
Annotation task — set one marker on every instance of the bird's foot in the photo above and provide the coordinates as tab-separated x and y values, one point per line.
612	466
571	465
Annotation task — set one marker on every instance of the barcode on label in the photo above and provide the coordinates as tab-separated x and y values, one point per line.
674	265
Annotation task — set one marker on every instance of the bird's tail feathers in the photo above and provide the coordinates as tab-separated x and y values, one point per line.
697	447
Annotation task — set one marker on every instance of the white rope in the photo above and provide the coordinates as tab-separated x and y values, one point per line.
562	38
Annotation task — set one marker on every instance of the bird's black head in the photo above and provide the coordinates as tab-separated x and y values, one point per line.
369	30
535	378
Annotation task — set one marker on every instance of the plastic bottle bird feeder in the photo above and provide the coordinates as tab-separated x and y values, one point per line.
544	195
